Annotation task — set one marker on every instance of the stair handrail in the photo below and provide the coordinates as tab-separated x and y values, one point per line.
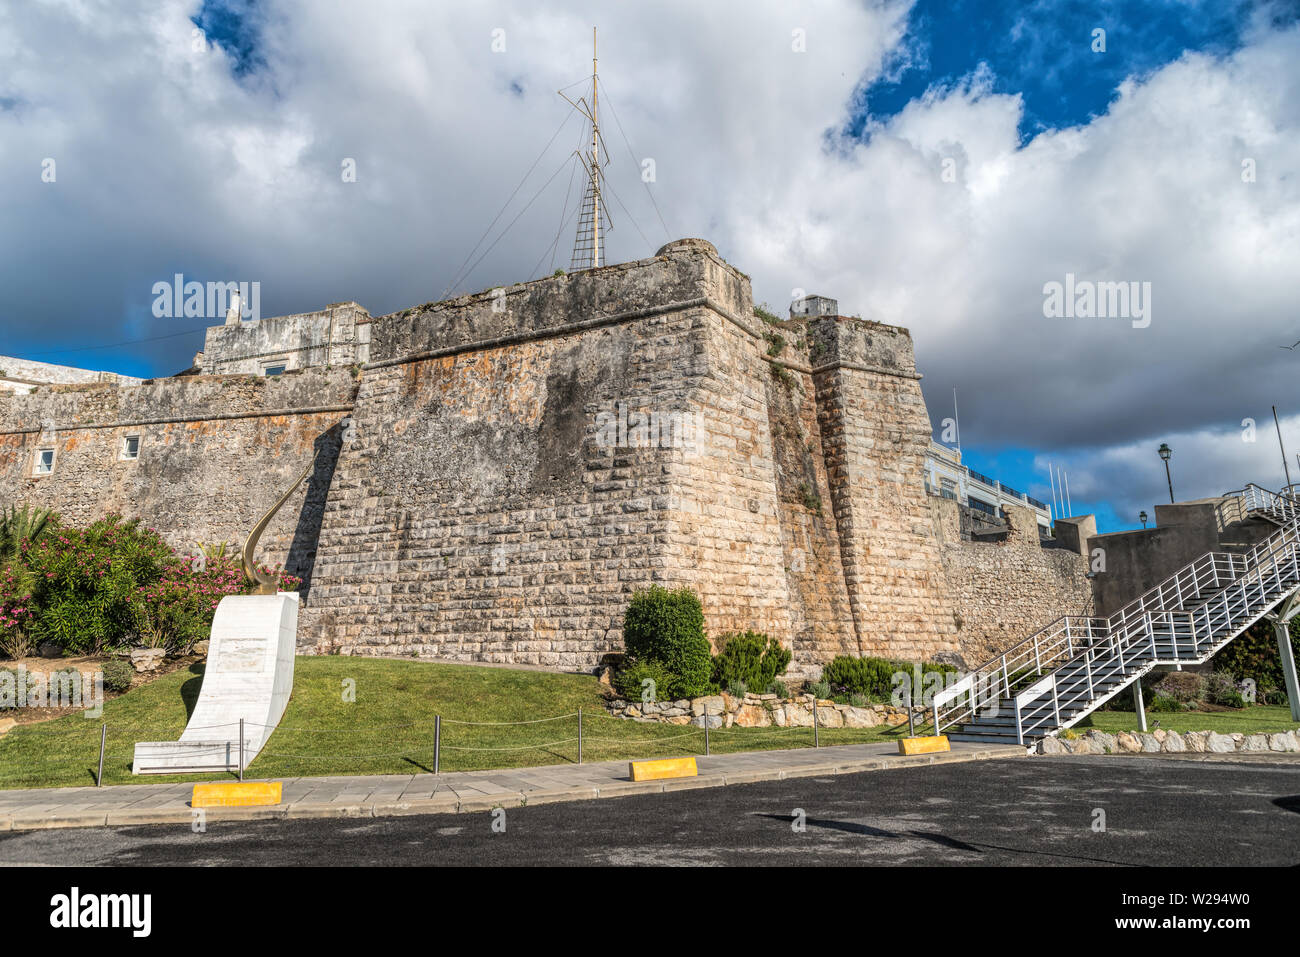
1255	498
1268	557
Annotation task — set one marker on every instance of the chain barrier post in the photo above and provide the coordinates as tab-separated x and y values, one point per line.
579	735
437	742
103	738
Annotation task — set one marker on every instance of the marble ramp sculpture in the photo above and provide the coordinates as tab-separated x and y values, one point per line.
249	674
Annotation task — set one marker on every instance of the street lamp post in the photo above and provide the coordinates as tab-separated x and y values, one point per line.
1142	517
1165	451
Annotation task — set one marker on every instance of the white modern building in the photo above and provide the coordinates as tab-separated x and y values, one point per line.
947	477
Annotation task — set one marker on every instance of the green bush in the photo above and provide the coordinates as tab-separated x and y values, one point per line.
1181	687
778	688
1221	689
1253	655
630	680
874	677
736	688
1160	702
750	658
667	627
118	675
820	689
64	687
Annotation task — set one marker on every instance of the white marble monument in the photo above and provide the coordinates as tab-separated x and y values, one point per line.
249	675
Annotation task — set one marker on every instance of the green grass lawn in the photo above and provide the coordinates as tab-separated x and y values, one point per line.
1250	720
389	727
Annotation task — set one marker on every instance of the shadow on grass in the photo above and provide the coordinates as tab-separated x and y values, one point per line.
190	689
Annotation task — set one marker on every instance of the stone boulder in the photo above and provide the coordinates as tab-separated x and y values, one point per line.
1150	743
1195	741
798	716
147	659
753	716
1128	742
1173	743
1100	742
1052	745
860	717
1220	743
1285	741
1255	742
829	717
707	721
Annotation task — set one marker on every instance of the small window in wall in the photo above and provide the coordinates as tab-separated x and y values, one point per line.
44	464
130	447
277	368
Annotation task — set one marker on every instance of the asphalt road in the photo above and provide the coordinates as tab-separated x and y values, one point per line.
1012	812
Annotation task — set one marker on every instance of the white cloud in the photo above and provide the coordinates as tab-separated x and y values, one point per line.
167	163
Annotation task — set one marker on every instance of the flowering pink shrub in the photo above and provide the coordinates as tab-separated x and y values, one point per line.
112	585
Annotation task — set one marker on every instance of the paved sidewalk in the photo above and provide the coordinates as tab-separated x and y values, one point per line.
397	794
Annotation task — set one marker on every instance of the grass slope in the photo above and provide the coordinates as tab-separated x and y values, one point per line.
388	728
1251	720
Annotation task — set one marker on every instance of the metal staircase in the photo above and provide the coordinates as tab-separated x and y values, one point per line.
1068	669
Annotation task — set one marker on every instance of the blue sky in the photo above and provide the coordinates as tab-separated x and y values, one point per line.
1043	52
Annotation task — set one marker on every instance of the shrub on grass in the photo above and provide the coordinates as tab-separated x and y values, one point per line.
667	627
820	689
874	677
1160	702
1182	687
1221	690
1253	655
642	681
750	658
118	675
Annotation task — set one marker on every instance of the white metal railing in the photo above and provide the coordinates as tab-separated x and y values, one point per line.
1185	618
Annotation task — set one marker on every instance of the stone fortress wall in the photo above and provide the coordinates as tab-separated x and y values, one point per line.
503	470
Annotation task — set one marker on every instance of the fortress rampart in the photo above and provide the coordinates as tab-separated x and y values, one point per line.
507	468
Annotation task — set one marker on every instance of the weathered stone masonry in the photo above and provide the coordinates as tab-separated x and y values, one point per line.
511	466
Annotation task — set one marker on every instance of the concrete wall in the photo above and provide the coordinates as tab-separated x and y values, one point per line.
1137	561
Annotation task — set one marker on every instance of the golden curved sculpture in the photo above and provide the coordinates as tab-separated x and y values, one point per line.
269	584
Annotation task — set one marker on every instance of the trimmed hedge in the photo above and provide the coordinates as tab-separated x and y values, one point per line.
749	658
873	677
667	628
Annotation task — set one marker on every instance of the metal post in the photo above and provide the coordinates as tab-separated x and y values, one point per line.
437	741
706	735
911	718
816	726
103	737
579	735
241	749
1139	706
1283	633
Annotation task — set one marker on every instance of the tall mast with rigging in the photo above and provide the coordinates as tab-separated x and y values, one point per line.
587	252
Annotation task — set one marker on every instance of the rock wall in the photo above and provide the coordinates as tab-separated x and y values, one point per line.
1001	592
214	454
875	431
